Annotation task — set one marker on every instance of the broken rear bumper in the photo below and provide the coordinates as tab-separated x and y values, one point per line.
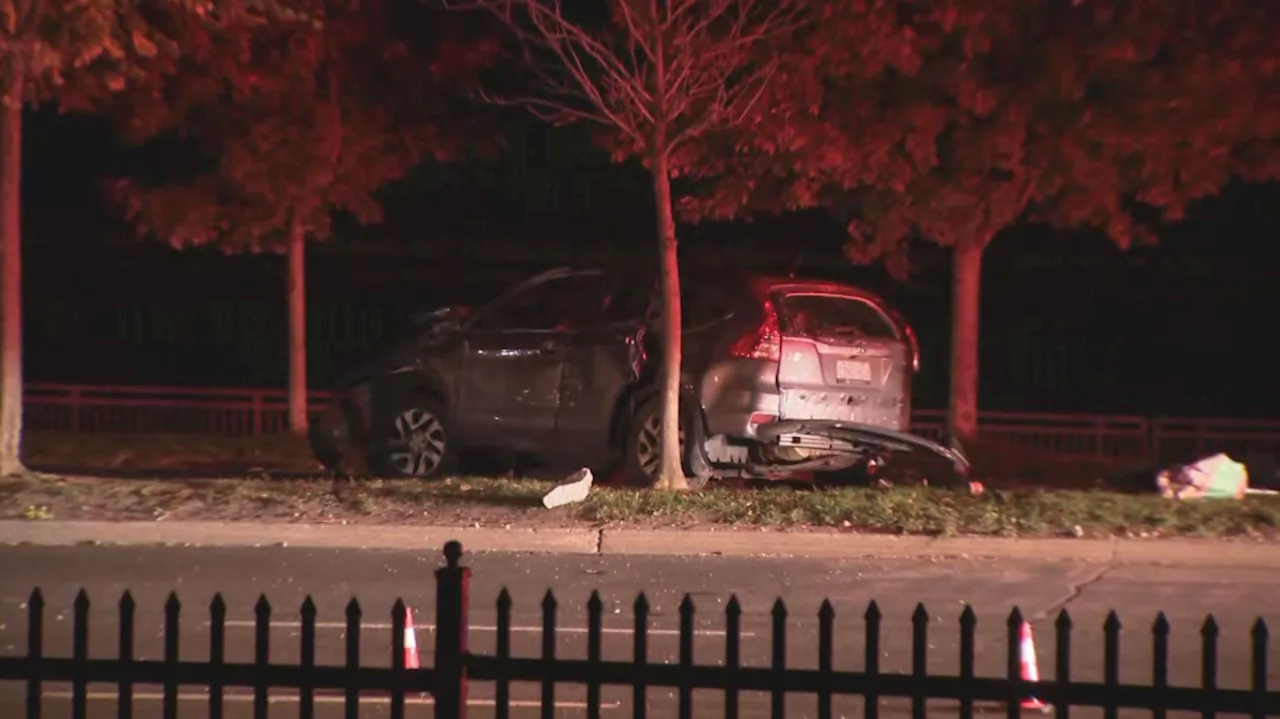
859	439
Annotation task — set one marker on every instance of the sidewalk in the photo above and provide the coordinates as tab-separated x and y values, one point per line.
667	542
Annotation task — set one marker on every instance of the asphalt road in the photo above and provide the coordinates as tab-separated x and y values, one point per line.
332	577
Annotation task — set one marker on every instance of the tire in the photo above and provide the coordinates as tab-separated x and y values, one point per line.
643	447
412	439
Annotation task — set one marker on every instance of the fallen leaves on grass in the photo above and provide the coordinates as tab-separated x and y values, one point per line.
450	502
516	502
938	512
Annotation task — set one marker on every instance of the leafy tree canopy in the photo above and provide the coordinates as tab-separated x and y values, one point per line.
951	119
304	120
78	52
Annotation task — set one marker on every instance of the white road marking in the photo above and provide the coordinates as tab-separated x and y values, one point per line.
319	699
246	624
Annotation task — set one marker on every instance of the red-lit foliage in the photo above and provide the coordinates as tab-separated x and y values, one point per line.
76	54
952	119
301	120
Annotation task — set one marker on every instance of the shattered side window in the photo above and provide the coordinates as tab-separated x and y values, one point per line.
702	304
626	302
699	305
564	303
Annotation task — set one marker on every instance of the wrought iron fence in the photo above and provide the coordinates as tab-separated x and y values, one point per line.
455	666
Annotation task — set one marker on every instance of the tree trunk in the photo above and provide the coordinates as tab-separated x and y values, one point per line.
297	329
11	94
962	414
671	471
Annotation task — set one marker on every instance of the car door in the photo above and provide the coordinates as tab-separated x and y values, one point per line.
605	355
512	361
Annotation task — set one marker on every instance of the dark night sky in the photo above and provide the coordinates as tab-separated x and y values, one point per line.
1069	320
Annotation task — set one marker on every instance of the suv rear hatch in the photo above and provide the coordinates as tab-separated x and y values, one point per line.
843	358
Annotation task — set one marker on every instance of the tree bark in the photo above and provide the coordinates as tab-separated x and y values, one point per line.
11	94
297	329
962	413
671	471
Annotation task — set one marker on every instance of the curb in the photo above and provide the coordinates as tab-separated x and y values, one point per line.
844	545
313	536
624	542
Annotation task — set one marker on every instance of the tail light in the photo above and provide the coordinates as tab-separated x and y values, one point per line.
913	345
764	342
800	363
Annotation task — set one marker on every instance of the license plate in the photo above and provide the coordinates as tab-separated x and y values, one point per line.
853	371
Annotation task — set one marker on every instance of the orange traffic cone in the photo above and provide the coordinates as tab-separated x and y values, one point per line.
410	642
1030	668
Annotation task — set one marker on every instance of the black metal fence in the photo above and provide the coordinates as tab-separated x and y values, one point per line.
454	666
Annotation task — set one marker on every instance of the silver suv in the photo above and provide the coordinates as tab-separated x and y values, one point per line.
782	377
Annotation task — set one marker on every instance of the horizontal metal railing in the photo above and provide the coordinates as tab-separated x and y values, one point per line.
248	412
139	409
1080	435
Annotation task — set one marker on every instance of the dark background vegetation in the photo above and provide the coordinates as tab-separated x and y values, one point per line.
1070	323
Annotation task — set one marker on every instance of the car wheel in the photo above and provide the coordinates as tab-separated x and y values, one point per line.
644	446
414	441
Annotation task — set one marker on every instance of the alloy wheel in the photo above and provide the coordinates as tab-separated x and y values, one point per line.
418	443
649	445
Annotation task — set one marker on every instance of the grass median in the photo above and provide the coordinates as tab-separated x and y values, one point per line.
516	503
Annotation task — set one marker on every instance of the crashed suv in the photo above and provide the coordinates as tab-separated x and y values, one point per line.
781	377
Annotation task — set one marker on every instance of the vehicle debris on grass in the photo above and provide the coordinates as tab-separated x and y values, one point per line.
1216	477
572	490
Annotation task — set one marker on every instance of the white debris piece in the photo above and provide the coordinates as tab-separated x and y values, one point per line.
573	489
1218	476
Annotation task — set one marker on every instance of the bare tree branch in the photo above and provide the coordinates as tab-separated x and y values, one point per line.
710	52
556	113
658	72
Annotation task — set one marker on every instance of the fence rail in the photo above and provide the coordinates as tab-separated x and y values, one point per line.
185	410
1082	435
455	667
238	412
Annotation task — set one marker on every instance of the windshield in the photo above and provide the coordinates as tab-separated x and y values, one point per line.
835	316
